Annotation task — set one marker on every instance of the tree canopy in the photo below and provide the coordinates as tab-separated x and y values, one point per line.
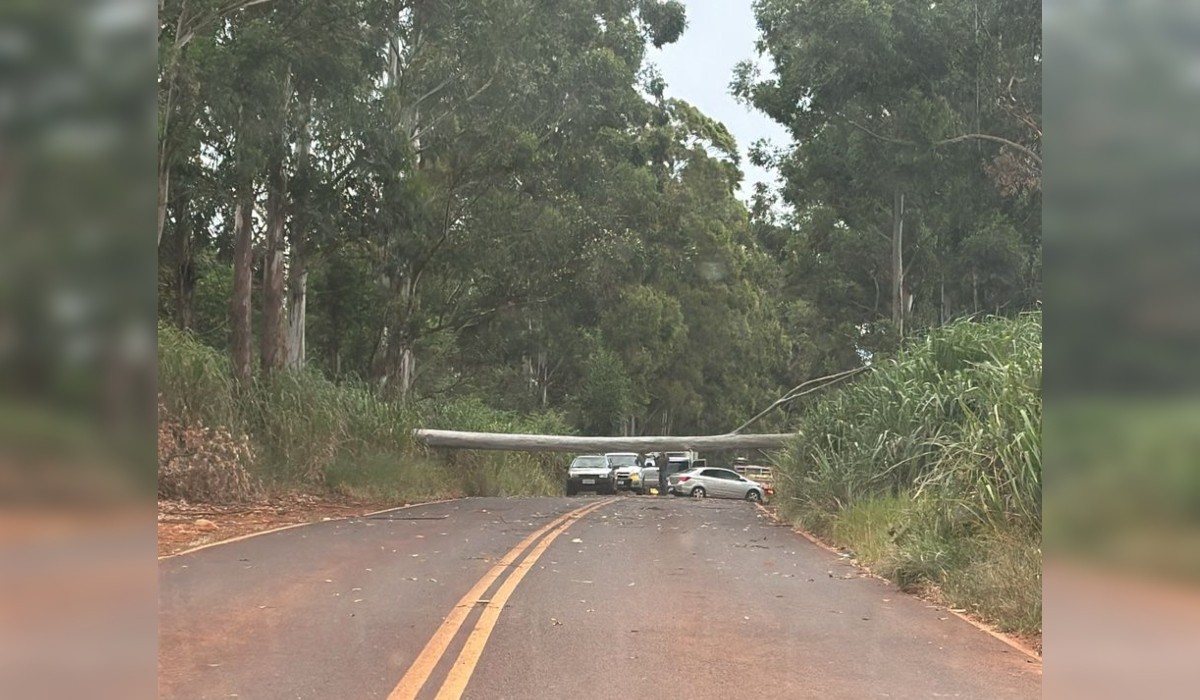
496	200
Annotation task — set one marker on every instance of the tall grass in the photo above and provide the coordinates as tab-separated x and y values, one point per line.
933	453
956	416
310	432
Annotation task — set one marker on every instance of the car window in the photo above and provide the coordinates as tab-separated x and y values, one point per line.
589	462
623	460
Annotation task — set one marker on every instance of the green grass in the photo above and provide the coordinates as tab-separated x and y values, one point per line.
384	478
996	575
310	433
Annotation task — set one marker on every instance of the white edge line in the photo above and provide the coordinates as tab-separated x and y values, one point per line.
247	536
981	626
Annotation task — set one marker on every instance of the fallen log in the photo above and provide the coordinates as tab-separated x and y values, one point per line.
520	442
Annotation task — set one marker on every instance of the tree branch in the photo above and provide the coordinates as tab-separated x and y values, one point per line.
995	139
795	393
946	142
881	137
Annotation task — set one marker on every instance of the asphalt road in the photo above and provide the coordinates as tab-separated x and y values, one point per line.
540	599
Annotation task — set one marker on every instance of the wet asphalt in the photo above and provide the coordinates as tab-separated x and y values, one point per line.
643	598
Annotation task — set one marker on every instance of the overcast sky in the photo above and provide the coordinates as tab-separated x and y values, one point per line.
699	67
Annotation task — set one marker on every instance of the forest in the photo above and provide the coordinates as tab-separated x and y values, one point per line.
494	202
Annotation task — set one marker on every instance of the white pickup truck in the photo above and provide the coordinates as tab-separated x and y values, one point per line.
591	473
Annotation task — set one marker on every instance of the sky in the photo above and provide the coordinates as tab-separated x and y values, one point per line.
699	67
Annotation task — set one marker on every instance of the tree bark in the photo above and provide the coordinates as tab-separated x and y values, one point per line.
297	282
543	377
185	268
239	305
943	307
573	443
273	340
296	310
164	190
898	263
399	360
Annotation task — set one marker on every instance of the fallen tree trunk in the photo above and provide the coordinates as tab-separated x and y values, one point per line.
573	443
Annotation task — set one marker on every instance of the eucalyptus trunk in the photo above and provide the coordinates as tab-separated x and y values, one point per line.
296	310
898	300
273	348
185	267
400	360
239	305
297	281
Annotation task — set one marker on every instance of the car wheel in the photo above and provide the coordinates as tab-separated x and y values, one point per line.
699	492
571	491
754	496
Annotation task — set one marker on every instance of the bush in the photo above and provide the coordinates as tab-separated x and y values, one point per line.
303	431
929	468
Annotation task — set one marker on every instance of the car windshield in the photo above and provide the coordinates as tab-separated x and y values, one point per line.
589	462
623	460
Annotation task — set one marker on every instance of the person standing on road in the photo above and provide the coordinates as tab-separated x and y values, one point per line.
662	475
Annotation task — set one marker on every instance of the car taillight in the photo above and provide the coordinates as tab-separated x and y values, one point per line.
684	478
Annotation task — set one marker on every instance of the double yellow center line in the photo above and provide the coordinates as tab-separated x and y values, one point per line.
464	666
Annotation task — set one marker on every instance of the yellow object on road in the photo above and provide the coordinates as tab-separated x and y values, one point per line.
653	491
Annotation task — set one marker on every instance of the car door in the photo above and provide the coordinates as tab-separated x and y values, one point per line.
715	482
734	485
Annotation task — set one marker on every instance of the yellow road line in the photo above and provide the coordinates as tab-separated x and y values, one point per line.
414	679
460	674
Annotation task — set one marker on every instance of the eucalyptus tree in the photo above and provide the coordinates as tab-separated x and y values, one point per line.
917	160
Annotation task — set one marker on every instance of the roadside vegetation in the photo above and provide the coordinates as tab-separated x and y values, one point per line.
929	469
219	442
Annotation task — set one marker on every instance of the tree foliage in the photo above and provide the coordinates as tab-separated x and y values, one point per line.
913	186
496	200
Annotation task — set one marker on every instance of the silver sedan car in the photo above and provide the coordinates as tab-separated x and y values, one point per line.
702	482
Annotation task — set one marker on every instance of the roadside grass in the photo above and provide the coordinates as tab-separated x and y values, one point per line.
995	575
868	528
929	469
384	478
308	433
1000	581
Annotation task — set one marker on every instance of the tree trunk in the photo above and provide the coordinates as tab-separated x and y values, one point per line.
297	308
185	268
943	308
898	301
273	338
543	376
164	190
574	443
243	262
399	360
297	282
